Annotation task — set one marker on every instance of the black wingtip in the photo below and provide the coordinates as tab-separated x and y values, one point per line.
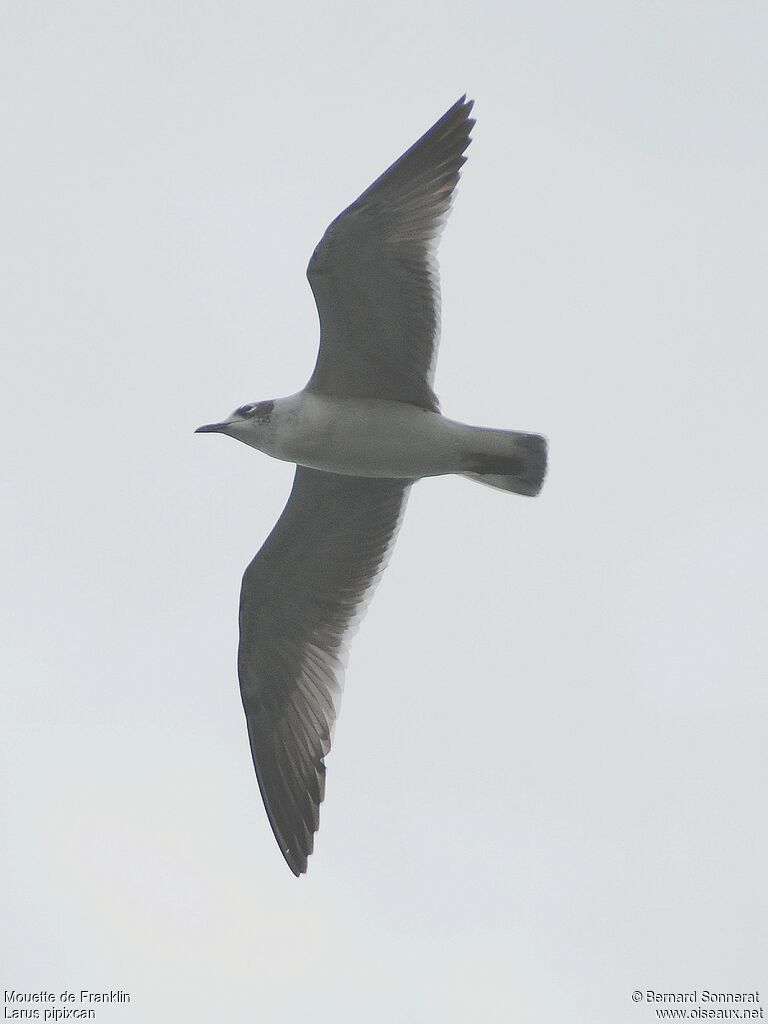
297	860
463	102
465	107
298	865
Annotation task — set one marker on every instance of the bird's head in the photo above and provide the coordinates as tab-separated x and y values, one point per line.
249	423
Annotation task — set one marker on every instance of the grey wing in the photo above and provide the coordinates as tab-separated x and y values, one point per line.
374	274
301	596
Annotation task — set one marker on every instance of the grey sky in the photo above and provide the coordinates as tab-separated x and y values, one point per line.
548	781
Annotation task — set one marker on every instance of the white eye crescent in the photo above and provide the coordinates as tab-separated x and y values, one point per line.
261	410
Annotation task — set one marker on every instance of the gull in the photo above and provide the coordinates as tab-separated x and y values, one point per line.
363	430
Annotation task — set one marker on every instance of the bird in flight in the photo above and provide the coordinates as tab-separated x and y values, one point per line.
363	430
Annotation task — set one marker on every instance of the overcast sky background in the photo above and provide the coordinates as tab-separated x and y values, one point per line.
548	781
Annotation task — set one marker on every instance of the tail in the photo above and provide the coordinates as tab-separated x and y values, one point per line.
520	469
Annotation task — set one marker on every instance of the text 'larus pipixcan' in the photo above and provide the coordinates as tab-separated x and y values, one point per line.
365	427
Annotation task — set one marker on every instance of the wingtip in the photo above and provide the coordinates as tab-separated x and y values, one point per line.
296	859
465	104
465	107
298	870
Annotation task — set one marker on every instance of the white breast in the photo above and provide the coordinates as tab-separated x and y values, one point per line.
364	437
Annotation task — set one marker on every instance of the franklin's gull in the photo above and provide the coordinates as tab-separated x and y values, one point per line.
365	427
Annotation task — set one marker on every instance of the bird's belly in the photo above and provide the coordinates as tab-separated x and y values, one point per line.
370	437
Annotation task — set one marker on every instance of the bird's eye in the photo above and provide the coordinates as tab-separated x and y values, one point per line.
246	410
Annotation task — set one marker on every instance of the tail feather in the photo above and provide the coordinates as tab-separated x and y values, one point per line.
521	470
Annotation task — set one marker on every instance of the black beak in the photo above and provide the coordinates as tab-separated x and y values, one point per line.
211	428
